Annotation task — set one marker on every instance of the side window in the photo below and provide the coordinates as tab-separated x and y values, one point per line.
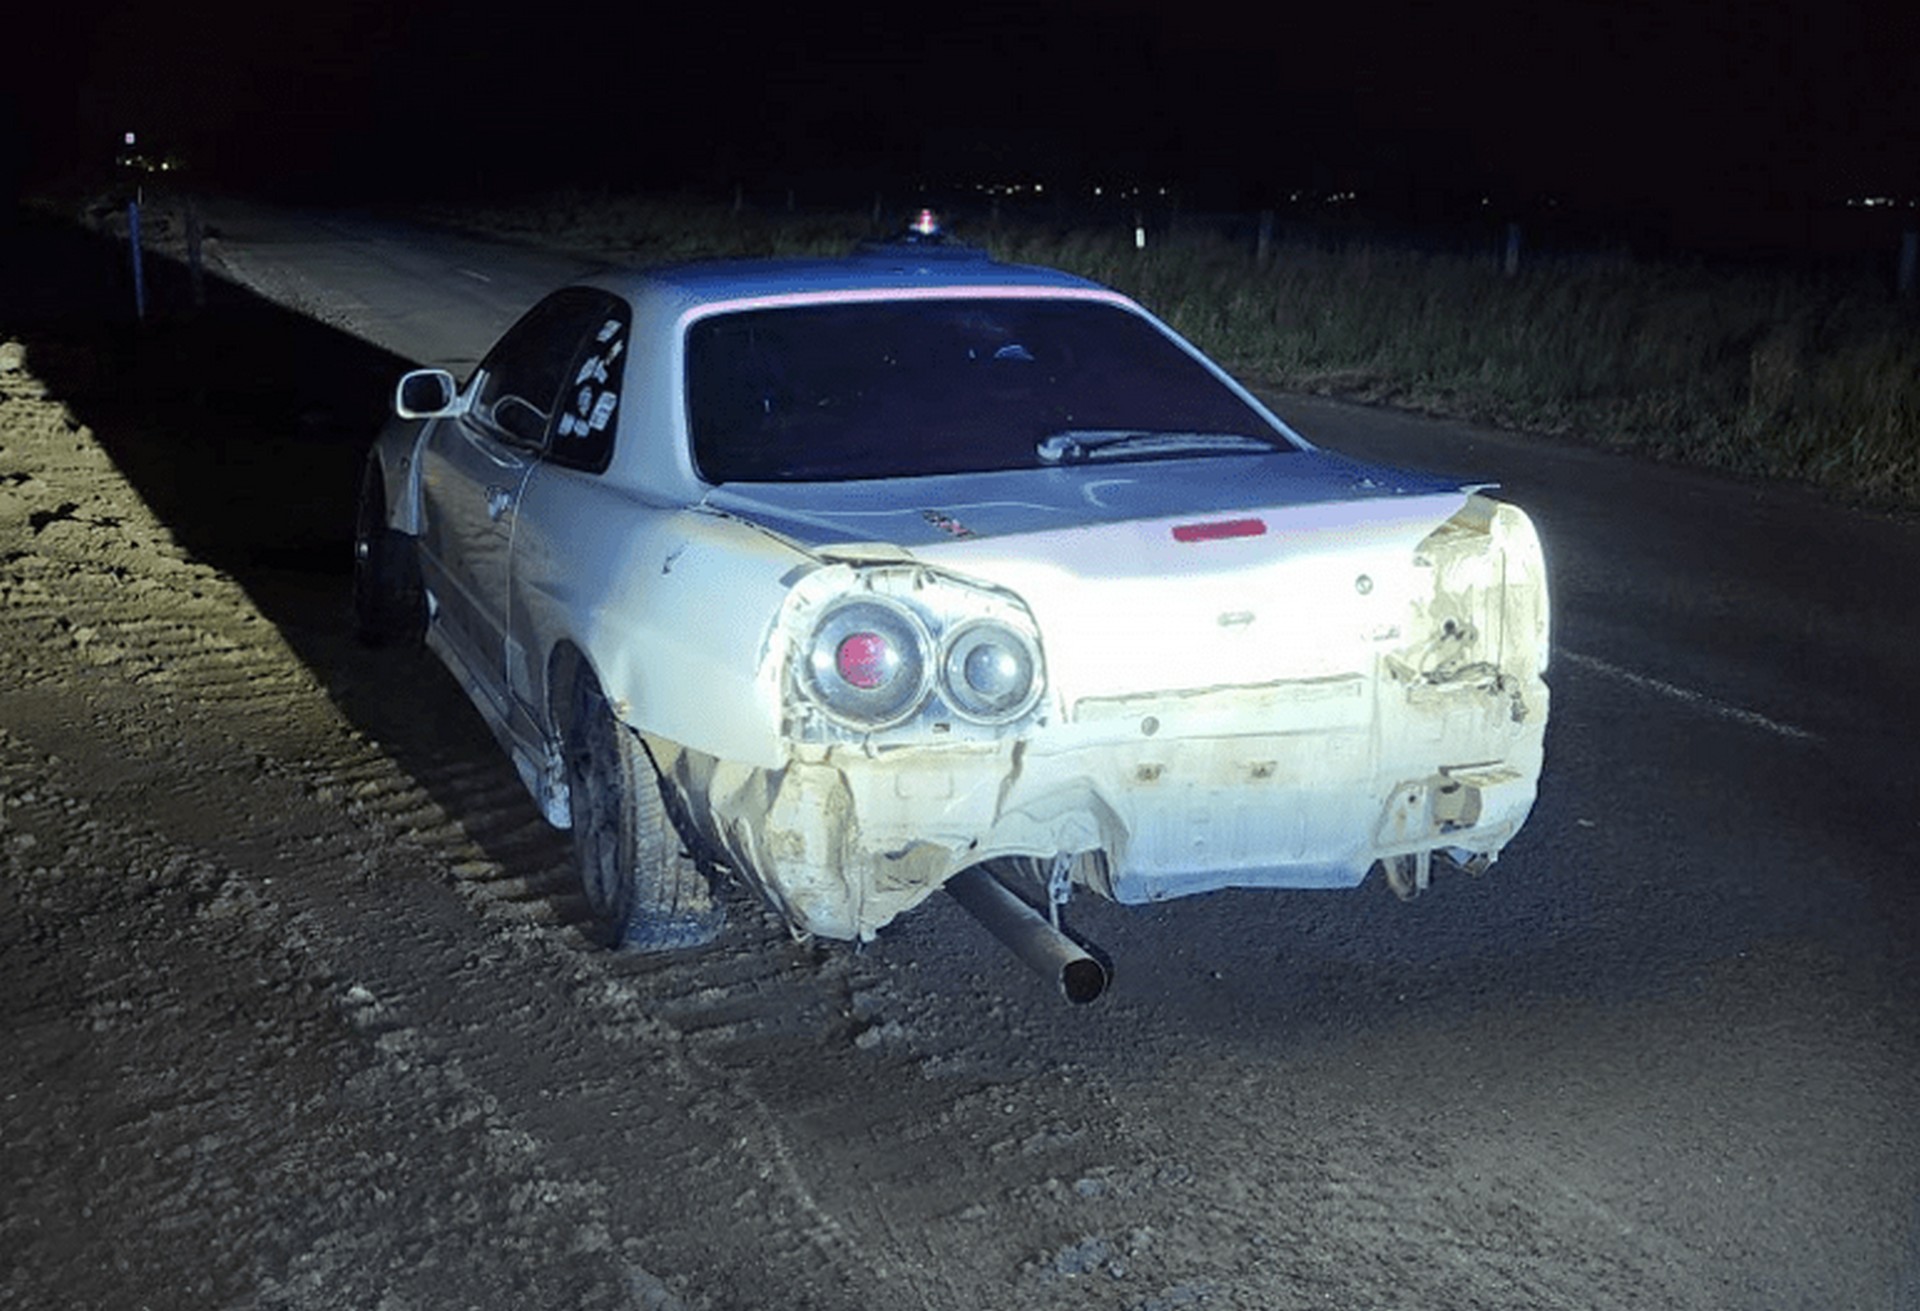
589	400
525	370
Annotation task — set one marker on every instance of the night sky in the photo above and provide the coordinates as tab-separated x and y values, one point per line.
1610	108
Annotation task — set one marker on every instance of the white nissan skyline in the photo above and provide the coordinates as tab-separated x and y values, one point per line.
856	578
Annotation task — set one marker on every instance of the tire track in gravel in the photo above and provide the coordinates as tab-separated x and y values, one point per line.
172	699
409	935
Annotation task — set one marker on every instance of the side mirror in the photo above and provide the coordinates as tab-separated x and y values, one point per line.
425	394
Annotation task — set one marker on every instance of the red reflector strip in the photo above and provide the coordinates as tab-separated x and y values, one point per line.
1213	532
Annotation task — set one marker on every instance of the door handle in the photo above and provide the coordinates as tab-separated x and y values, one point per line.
499	501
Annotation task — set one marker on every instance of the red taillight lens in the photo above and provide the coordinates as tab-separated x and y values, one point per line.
865	660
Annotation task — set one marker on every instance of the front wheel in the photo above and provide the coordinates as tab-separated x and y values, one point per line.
389	604
645	892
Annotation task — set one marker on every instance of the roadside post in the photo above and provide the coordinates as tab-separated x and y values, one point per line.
139	272
1909	259
129	163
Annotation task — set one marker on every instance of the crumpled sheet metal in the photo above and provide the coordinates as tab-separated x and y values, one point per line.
1305	783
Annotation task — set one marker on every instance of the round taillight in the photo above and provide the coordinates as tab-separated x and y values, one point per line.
867	662
994	671
991	672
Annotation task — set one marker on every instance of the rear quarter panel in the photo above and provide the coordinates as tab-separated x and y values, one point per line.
671	606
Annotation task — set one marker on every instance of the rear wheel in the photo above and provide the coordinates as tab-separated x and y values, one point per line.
646	893
389	605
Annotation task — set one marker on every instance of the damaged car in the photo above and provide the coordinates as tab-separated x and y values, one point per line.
857	578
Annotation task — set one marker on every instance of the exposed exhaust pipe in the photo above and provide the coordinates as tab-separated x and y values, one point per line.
1028	934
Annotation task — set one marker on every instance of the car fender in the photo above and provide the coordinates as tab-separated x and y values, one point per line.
395	453
674	614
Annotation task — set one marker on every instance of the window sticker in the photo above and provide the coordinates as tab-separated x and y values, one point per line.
583	433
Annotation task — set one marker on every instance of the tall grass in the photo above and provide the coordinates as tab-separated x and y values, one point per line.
1807	376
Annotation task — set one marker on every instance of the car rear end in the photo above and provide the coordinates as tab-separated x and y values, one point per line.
1077	600
1280	697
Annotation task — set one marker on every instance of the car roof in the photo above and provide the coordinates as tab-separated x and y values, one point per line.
880	267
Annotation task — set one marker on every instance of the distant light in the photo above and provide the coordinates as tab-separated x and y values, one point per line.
1038	188
1099	191
129	138
925	223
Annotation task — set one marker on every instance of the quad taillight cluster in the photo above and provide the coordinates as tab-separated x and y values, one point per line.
875	661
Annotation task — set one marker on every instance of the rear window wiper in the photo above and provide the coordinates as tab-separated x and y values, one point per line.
1079	444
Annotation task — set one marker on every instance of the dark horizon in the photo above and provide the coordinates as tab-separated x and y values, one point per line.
1640	118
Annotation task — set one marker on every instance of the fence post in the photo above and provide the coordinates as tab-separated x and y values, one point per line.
139	271
1512	262
1263	244
1909	259
1139	230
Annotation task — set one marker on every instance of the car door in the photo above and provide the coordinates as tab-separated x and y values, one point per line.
473	470
560	488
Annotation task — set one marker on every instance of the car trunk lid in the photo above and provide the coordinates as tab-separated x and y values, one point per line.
1156	577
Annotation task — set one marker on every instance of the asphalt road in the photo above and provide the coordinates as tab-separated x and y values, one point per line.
1669	1045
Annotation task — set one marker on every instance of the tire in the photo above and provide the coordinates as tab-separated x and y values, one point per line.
389	604
645	892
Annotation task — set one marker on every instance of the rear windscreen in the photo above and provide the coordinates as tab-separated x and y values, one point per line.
909	388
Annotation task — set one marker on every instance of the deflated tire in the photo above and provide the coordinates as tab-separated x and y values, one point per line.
645	892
